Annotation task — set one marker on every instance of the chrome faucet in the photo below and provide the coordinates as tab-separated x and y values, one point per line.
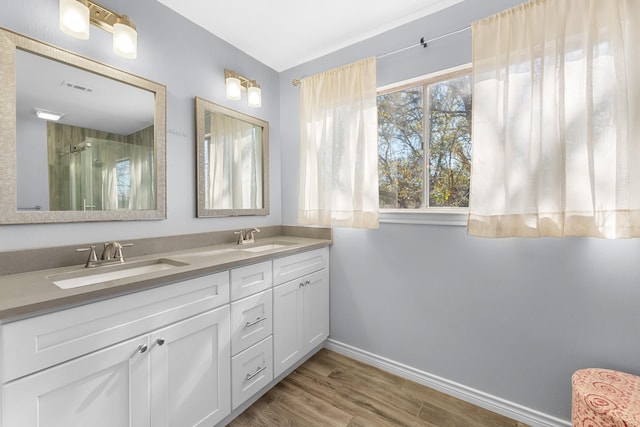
249	235
111	254
246	236
112	251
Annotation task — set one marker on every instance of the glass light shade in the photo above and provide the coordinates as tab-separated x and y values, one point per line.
125	40
254	98
234	89
74	19
48	115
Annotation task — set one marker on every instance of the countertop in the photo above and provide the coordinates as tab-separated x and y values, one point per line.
34	292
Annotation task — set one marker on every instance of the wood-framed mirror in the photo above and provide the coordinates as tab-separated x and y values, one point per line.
232	162
103	160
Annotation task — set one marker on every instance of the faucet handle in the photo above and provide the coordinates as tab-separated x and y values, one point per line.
240	235
92	260
118	250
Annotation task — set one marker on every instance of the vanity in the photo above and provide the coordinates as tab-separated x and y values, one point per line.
190	330
193	345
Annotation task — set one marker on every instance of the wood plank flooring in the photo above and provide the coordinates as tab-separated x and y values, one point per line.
333	390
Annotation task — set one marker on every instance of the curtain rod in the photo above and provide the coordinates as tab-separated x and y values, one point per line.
422	42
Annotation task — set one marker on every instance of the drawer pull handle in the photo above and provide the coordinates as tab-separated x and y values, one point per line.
250	376
142	348
255	322
160	341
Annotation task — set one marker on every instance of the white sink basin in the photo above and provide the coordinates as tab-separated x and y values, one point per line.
112	272
267	247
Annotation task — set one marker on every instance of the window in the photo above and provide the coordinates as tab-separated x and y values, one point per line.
123	177
424	143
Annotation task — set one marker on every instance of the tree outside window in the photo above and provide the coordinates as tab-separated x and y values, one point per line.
123	177
424	143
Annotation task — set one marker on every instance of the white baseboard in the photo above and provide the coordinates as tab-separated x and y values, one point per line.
476	397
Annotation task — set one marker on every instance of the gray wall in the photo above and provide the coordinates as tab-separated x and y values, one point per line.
190	62
512	317
33	178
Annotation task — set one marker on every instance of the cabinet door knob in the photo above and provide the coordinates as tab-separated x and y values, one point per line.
301	284
307	282
160	341
142	348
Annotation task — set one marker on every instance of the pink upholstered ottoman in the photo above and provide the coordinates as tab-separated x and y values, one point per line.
605	398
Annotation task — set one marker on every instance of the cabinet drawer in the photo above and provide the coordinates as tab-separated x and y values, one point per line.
251	370
251	320
294	266
35	343
251	279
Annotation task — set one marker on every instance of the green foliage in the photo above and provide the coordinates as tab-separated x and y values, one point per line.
401	145
400	148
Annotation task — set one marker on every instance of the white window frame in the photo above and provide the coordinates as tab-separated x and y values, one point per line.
427	216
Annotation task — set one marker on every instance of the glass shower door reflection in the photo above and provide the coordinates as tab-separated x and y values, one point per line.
101	174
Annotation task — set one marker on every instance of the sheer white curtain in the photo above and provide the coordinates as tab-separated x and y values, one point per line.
339	147
142	194
107	158
234	179
556	124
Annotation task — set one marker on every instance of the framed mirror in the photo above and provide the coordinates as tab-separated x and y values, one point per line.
232	162
79	140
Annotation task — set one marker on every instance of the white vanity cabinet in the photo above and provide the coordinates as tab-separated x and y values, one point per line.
191	353
90	366
300	306
251	330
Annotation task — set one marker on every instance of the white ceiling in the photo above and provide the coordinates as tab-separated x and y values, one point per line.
286	33
108	105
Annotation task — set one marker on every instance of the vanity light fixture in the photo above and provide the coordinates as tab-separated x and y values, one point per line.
48	115
254	95
74	19
76	15
235	84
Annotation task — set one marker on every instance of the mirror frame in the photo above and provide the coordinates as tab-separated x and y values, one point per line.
9	214
202	105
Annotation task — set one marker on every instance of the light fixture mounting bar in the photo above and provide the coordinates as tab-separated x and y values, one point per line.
104	18
245	83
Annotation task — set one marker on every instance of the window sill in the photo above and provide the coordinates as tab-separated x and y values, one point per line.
451	217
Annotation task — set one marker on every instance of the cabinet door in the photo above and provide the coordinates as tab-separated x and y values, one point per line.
316	309
288	339
190	378
104	389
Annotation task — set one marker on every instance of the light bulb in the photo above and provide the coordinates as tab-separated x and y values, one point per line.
125	39
254	96
74	19
234	90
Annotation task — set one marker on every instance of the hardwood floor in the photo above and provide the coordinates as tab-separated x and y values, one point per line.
333	390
